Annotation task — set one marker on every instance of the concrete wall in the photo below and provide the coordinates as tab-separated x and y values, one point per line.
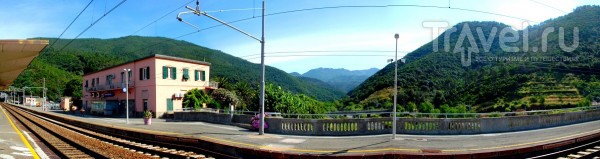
210	117
425	126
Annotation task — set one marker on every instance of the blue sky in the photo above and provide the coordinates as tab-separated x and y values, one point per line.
351	38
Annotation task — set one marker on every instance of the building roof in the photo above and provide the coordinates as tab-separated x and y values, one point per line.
15	56
158	56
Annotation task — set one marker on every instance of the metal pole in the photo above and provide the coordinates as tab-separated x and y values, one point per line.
261	130
44	94
395	87
127	95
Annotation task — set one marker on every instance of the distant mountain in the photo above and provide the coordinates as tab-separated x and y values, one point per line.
495	80
342	79
296	74
89	55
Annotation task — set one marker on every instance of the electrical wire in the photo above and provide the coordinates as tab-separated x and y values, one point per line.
61	34
323	51
94	23
162	17
397	5
549	6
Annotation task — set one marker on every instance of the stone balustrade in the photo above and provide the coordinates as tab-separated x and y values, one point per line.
422	126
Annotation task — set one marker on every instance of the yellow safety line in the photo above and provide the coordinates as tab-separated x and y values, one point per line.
35	155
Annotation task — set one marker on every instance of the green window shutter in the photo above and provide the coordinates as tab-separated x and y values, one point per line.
197	75
165	72
185	74
203	75
174	72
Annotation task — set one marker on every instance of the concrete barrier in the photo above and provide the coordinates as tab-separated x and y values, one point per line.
423	126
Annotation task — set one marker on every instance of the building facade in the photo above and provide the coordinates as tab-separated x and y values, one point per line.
156	83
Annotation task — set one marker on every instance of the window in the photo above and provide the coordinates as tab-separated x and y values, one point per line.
97	81
122	77
165	72
93	82
145	73
86	83
170	71
173	73
141	74
202	75
196	75
185	74
109	79
129	75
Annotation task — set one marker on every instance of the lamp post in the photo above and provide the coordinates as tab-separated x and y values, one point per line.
197	12
126	90
395	87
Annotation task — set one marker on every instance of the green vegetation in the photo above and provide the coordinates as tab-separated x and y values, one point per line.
440	79
276	100
89	55
195	98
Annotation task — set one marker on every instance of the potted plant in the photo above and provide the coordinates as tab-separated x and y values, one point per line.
147	117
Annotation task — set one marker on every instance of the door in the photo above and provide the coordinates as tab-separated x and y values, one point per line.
169	104
145	104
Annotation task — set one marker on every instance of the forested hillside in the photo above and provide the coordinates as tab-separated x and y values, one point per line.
63	69
495	80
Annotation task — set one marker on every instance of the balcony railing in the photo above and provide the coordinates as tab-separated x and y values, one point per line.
114	86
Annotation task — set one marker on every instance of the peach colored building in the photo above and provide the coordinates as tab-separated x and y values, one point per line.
156	83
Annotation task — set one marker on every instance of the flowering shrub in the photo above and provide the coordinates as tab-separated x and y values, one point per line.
255	121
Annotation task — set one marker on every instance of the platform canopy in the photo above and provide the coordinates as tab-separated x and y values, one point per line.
15	56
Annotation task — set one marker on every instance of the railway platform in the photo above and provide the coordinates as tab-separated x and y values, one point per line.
497	143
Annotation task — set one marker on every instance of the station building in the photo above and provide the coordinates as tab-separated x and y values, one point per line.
156	83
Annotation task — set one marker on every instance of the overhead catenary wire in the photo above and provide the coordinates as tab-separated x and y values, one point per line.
548	6
162	17
324	51
319	8
86	29
76	17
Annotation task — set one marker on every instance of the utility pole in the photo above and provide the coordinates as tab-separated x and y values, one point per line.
262	83
395	87
197	12
126	90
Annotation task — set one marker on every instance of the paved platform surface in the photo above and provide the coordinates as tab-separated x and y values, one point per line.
232	135
11	143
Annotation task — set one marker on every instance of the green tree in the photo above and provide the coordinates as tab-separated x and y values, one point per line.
426	107
73	89
246	95
195	98
411	107
225	97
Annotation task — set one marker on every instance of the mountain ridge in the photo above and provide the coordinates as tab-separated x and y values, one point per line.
442	78
340	78
89	55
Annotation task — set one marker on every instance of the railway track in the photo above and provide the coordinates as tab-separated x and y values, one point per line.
590	150
591	153
69	141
